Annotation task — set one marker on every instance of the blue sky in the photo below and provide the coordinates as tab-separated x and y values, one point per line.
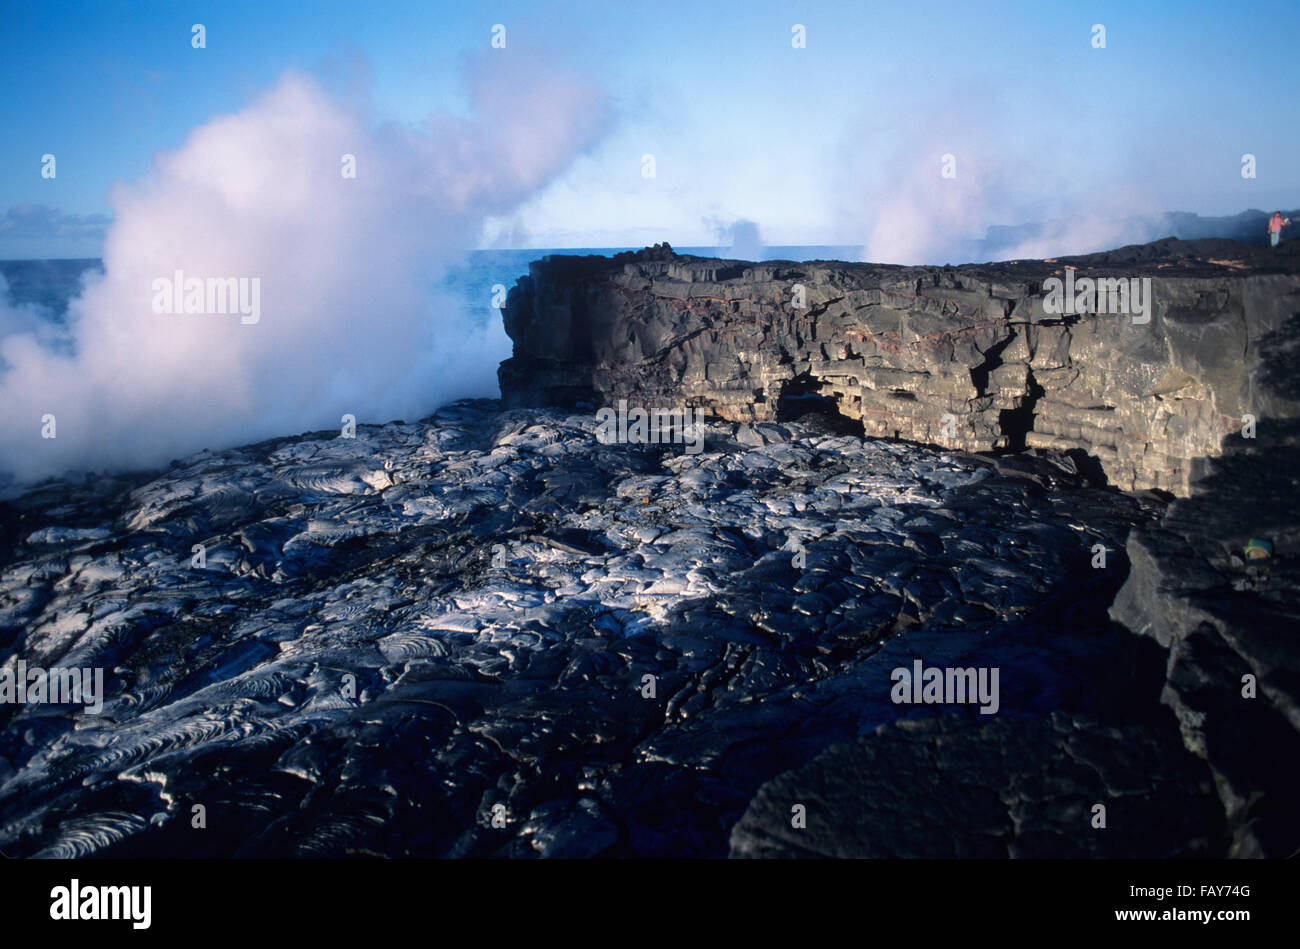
808	143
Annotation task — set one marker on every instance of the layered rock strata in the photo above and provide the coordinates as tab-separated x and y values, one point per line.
966	357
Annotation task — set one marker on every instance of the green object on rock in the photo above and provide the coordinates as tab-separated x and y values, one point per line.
1257	549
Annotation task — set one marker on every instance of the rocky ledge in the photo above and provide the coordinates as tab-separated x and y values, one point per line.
971	357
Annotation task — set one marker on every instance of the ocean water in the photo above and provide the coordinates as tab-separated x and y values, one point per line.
52	283
46	283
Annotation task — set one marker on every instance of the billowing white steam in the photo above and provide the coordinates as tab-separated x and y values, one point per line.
925	182
739	239
350	320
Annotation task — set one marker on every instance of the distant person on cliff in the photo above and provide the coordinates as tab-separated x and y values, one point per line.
1275	225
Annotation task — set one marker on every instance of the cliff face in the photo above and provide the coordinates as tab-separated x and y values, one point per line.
966	357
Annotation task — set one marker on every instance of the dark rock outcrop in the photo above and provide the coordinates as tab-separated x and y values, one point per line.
1109	791
1232	629
965	357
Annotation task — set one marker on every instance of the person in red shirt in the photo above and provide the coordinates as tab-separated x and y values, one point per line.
1275	225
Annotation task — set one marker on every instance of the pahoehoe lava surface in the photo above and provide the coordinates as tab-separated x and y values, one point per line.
499	583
